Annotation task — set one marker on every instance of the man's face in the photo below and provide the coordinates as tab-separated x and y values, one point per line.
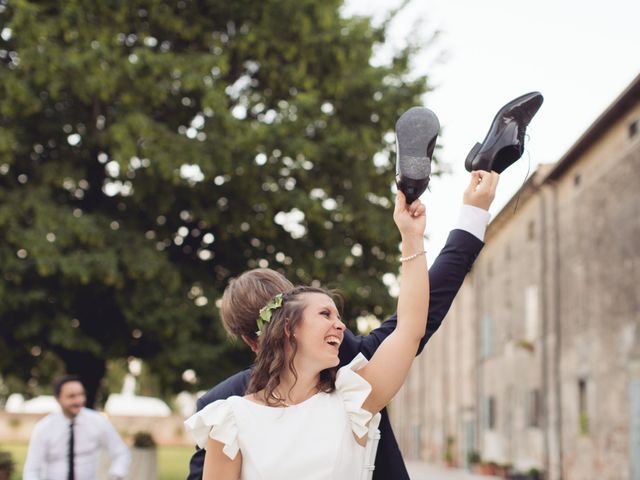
72	398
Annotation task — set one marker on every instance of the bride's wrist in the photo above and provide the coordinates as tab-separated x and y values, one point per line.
412	243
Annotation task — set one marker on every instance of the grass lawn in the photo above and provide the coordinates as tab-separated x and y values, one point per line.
173	462
19	452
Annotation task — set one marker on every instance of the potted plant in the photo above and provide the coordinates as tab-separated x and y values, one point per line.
144	457
490	468
143	440
531	474
449	458
525	345
535	474
7	465
506	470
474	461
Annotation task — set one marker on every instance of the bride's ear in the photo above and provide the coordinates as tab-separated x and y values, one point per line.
287	328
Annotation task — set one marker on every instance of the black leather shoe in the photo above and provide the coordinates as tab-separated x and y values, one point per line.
416	134
504	144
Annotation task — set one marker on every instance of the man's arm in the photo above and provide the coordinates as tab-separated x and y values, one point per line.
445	276
118	452
448	270
36	455
234	385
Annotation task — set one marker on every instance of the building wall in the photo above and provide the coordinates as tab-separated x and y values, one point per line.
598	206
510	364
534	364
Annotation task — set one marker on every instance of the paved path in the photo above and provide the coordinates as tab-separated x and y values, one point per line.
423	471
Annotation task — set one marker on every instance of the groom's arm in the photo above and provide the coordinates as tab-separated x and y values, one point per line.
445	277
448	270
452	265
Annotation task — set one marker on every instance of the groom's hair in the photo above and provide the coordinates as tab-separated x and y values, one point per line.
59	382
246	295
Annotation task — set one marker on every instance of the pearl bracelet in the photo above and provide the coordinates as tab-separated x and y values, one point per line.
411	257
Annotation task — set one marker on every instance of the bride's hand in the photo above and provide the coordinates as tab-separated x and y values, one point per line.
410	219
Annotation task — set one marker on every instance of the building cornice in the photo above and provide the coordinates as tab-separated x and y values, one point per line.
625	101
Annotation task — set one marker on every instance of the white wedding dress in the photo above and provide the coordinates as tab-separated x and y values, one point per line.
312	440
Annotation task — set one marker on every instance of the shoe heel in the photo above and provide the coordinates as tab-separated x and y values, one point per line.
468	163
412	189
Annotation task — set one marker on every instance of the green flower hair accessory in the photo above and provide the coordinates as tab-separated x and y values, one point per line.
265	313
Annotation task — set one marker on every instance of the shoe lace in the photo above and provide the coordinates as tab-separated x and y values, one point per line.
515	207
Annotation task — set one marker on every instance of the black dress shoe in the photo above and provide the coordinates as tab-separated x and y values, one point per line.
504	144
416	134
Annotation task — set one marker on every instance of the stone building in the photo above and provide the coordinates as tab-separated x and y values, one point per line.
538	361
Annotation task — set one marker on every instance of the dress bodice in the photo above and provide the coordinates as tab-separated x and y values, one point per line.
312	440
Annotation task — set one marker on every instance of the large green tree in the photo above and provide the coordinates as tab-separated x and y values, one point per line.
150	150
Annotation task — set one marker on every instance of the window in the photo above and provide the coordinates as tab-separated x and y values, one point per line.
576	180
633	129
489	413
531	230
533	406
583	415
416	441
486	336
531	311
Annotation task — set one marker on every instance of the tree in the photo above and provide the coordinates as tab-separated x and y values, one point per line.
151	150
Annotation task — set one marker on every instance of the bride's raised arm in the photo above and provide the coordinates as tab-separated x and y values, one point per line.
388	368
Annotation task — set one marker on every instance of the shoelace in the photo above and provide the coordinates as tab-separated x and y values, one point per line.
515	207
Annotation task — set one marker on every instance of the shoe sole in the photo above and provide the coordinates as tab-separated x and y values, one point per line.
416	134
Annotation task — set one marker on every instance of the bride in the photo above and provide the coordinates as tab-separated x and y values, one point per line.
302	418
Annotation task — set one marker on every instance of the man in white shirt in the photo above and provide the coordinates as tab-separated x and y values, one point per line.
66	445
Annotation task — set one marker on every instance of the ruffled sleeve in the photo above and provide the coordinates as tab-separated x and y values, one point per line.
217	421
354	390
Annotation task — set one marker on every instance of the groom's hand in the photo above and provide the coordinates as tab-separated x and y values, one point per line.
482	189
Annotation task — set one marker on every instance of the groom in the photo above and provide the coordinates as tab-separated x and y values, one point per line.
239	313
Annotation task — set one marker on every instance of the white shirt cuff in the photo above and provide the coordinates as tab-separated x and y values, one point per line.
473	220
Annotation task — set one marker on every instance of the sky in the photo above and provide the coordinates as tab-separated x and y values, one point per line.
579	54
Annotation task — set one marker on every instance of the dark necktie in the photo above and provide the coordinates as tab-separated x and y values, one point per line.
71	453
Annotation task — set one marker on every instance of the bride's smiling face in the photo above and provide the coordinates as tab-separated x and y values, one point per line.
320	331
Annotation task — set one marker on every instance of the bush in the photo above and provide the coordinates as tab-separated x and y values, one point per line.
535	474
143	440
7	465
473	457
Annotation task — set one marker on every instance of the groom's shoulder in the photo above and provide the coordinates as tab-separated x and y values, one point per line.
234	385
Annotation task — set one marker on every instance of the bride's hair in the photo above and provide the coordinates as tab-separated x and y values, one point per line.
271	360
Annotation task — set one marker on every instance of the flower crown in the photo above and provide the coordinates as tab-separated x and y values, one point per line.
264	316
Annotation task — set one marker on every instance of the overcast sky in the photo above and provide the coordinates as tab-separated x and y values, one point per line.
579	54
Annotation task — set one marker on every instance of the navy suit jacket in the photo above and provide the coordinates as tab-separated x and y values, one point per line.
445	278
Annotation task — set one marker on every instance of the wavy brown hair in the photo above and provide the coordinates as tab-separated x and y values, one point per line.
271	360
